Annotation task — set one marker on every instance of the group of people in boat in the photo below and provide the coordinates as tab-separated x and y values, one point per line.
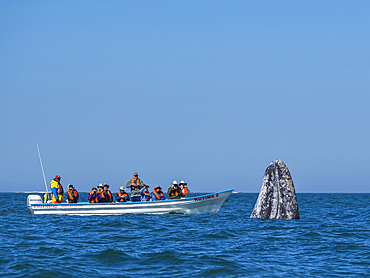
139	192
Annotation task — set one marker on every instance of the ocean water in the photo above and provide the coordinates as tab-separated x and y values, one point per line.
332	238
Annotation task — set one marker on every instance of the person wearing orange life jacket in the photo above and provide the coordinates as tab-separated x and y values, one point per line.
56	190
109	196
135	184
93	196
145	194
72	194
174	191
102	196
157	194
121	195
184	188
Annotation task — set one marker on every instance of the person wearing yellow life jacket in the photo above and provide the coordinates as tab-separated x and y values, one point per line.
108	193
157	194
72	194
184	188
135	184
56	190
174	191
145	194
121	195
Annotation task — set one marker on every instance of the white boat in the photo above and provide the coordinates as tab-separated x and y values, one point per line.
210	203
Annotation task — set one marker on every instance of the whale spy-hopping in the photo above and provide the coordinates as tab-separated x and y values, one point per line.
277	198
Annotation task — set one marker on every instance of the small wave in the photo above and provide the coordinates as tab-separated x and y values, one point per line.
311	234
221	234
110	256
166	256
50	251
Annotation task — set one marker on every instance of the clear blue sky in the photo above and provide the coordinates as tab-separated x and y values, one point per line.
206	91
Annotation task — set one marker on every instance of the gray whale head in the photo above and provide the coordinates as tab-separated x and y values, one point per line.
277	198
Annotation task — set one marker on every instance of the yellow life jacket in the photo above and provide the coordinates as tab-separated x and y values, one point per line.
57	185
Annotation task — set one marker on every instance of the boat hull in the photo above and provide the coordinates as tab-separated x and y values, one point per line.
210	203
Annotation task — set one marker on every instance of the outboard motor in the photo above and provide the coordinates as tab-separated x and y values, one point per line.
33	199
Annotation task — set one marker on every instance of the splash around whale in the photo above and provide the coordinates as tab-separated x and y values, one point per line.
277	198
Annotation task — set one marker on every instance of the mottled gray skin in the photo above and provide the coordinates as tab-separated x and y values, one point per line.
277	199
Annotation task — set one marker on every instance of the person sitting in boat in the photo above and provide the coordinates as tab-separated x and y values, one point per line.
102	196
108	193
72	194
135	184
184	188
93	196
157	194
145	194
121	195
56	190
174	191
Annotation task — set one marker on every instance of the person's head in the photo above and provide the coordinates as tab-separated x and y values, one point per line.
57	178
136	175
158	188
70	186
146	186
122	189
174	183
100	186
94	189
106	186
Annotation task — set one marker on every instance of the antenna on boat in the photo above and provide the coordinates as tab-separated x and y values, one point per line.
42	168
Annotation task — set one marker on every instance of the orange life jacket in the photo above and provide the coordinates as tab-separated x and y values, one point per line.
122	195
109	195
93	200
72	194
60	190
146	193
159	197
135	183
101	192
174	192
184	191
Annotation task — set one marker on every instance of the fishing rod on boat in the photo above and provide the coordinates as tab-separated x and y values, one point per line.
43	174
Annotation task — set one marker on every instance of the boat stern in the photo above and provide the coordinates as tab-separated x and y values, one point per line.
32	200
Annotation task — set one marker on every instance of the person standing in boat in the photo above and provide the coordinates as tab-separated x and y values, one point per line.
145	194
93	196
157	194
184	188
109	196
174	191
135	184
72	194
56	190
121	195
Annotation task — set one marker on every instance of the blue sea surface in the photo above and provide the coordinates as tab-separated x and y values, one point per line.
332	238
